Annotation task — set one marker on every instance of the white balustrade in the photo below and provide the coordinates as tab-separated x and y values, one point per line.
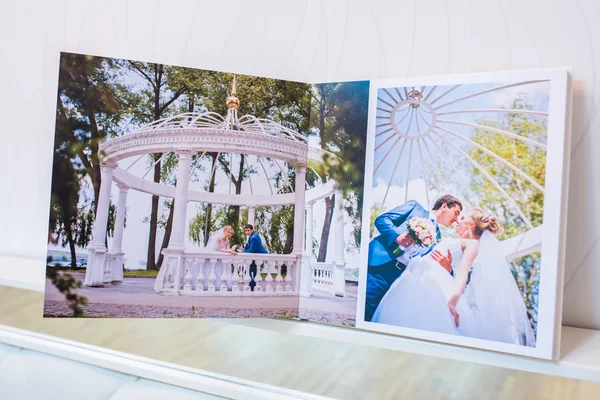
279	278
212	277
107	272
223	278
288	275
322	276
234	276
200	278
188	276
269	277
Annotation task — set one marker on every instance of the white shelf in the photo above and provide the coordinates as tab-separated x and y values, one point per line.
158	371
580	348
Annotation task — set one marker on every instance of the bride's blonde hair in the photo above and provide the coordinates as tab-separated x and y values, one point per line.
482	222
227	228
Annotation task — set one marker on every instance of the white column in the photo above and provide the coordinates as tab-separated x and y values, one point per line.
101	219
94	274
177	242
338	219
117	243
339	262
300	198
181	199
303	263
251	213
309	229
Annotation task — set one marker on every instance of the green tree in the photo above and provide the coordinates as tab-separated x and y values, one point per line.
532	161
152	103
340	112
351	114
322	121
63	202
88	110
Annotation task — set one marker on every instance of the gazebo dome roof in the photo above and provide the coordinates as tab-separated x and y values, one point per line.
211	132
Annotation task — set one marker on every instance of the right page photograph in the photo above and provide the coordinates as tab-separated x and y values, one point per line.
463	209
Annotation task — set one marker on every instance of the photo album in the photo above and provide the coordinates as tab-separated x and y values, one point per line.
431	208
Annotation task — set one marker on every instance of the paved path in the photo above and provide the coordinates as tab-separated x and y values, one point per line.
136	298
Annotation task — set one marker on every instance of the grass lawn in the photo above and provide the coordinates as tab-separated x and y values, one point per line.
139	272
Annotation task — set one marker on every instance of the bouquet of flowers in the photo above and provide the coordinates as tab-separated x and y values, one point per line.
422	231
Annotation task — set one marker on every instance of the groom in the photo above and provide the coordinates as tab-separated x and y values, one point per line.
387	258
254	245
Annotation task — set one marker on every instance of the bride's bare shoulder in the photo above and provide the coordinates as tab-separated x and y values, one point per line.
469	244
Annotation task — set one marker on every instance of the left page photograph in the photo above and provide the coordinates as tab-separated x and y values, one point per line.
181	193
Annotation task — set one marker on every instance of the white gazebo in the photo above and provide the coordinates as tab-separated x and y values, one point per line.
198	133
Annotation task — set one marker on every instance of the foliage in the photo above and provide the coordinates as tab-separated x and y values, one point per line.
375	212
63	201
276	225
67	285
532	161
89	108
197	225
529	159
340	112
526	271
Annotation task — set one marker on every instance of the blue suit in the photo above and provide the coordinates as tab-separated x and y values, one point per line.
384	268
254	245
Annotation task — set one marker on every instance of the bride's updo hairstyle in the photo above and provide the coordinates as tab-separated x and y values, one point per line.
228	228
482	222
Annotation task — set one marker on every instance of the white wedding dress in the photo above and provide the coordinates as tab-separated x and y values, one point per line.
491	307
418	298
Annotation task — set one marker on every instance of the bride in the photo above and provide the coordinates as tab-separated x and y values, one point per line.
426	297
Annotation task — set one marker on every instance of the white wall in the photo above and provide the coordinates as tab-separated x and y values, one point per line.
301	40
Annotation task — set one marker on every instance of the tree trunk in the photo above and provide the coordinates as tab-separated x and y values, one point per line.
211	188
167	237
151	259
289	241
238	190
329	204
94	158
71	241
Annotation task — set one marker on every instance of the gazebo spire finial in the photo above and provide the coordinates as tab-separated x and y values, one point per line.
232	100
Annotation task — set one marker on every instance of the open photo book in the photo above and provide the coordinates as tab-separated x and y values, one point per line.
431	208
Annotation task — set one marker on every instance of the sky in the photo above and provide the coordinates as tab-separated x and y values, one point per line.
398	161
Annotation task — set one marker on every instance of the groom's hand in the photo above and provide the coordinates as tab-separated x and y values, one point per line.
405	240
444	260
